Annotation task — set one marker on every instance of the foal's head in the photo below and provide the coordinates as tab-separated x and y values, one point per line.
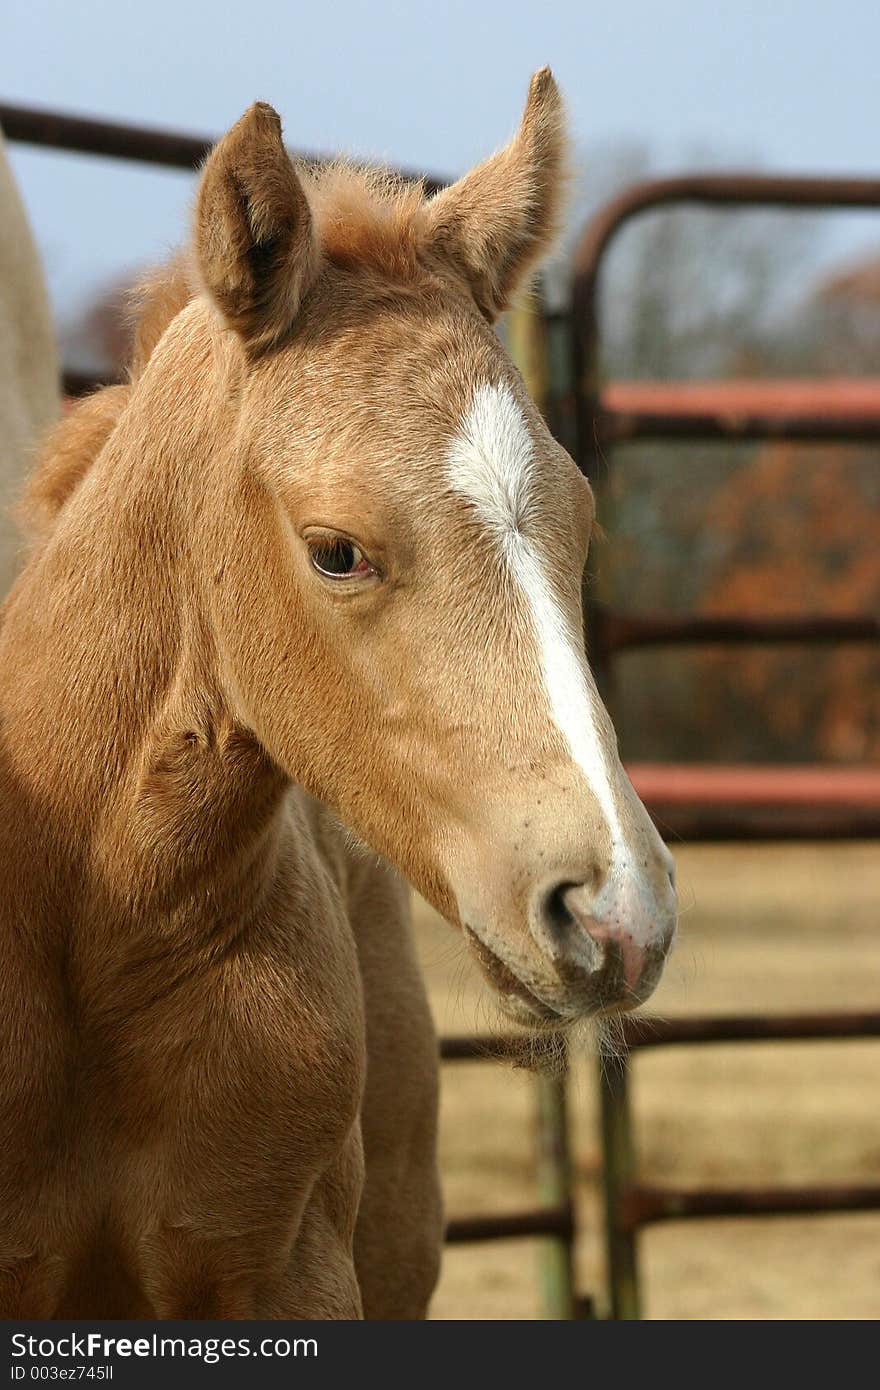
395	564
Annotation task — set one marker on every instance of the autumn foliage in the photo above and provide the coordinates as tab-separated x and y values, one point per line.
802	532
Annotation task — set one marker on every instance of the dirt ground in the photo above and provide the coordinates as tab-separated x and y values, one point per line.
763	928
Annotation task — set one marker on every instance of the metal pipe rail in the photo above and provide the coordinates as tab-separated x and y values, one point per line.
844	410
647	1205
631	1204
713	825
543	1221
61	130
624	631
757	784
714	802
642	1032
521	1049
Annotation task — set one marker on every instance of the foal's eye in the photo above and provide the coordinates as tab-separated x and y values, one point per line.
337	557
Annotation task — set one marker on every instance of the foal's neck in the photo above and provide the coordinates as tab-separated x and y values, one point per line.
116	735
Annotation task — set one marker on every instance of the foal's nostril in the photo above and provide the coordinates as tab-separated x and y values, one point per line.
557	917
566	930
608	934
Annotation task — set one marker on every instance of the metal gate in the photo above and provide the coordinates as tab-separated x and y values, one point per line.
715	802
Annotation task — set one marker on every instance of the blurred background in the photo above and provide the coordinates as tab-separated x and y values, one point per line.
718	529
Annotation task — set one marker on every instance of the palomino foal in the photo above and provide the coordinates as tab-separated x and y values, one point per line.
318	565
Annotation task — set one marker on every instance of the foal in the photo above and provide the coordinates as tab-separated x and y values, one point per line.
318	565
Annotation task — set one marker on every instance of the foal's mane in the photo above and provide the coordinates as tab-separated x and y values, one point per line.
72	445
365	218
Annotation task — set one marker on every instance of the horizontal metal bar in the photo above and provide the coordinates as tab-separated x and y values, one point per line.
612	428
75	384
644	1031
828	397
643	1205
751	408
624	631
757	784
60	130
731	190
717	825
521	1048
641	1031
544	1221
711	802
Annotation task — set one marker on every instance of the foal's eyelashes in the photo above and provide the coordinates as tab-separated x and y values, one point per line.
337	557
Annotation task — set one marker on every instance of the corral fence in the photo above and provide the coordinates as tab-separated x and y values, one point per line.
694	803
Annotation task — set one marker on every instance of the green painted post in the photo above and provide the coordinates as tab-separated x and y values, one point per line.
618	1173
524	336
556	1254
527	343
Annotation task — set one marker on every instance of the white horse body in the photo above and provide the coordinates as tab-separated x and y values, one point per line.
29	396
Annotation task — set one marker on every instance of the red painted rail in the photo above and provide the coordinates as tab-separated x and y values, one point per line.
831	397
821	409
755	785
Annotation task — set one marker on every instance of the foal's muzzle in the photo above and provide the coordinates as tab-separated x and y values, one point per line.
607	945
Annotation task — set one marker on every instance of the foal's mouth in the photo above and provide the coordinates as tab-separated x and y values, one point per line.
520	1001
604	996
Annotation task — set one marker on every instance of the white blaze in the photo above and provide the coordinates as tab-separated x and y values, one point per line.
492	463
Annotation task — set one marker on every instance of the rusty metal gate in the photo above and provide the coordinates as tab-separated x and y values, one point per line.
713	802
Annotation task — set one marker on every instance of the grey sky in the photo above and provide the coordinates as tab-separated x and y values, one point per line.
789	85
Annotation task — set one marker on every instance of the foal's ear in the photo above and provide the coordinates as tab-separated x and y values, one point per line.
495	222
254	242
